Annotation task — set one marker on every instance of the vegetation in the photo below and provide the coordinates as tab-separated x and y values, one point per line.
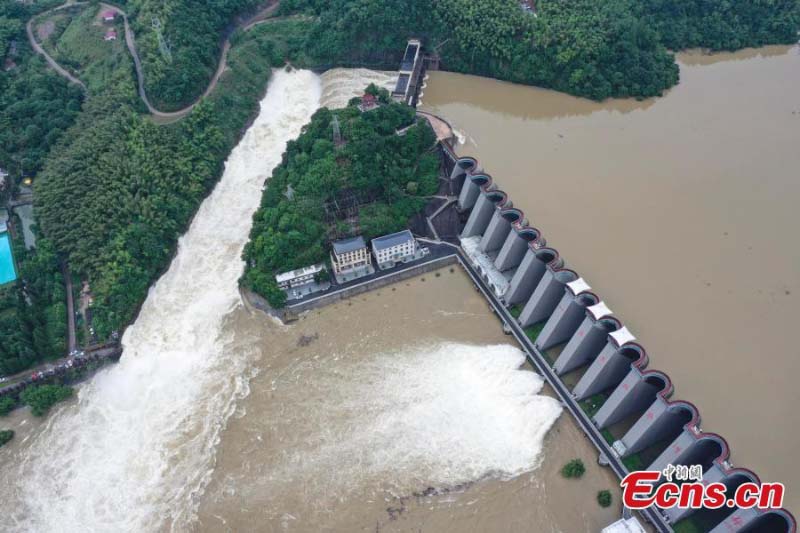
360	187
179	42
5	436
592	49
33	313
36	105
6	405
115	195
41	398
77	44
726	25
573	469
604	498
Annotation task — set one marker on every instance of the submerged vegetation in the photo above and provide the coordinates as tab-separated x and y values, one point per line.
369	183
42	397
604	498
573	469
5	436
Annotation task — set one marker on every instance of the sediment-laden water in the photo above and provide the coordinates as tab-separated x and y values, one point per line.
403	408
681	212
136	449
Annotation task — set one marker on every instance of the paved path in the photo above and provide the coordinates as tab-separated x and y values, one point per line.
72	342
130	41
41	51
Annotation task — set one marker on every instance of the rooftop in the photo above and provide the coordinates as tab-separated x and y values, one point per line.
305	271
388	241
348	245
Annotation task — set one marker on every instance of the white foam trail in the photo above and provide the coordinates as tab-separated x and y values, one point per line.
429	416
138	447
342	84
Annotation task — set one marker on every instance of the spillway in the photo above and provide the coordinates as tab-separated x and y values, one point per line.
136	450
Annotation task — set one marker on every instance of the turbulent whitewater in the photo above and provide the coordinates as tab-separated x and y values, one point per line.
135	451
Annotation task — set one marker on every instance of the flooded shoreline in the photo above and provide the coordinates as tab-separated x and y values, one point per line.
679	212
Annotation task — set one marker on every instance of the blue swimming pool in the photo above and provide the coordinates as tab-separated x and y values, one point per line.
7	271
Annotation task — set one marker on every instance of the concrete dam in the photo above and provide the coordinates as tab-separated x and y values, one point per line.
592	355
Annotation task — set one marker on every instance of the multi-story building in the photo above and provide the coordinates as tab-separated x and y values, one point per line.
400	247
350	259
304	281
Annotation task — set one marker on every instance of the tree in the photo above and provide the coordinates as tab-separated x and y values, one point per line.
573	469
6	405
41	398
5	436
604	498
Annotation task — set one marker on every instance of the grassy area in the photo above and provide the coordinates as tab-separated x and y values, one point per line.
610	438
81	48
533	333
593	404
687	526
634	462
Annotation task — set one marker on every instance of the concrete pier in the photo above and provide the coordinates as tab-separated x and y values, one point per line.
720	472
519	240
692	447
756	520
635	393
568	315
463	168
499	228
530	272
662	420
481	214
590	337
613	364
471	189
546	296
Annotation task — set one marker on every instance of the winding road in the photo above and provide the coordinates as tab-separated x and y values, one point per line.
130	41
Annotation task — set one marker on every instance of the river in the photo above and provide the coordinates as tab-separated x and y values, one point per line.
681	212
404	408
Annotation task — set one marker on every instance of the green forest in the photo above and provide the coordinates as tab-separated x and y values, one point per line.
385	174
179	42
36	105
617	48
116	194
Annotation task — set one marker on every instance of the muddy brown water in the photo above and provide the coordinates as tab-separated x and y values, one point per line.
681	213
305	452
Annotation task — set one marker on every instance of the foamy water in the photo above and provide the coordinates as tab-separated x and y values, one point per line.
342	84
136	450
428	416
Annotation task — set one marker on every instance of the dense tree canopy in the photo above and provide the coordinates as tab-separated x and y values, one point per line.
117	193
179	63
615	48
36	105
303	208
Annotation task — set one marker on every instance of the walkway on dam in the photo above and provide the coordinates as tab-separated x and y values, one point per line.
539	362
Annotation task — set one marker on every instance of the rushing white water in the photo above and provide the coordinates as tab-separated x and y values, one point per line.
432	415
342	84
138	447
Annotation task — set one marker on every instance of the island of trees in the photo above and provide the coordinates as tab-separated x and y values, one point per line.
369	181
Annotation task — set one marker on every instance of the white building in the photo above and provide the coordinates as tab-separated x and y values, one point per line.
400	247
350	259
303	281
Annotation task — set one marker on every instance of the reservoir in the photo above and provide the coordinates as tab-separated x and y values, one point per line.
680	212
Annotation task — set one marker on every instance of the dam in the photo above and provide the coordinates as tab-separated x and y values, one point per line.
589	357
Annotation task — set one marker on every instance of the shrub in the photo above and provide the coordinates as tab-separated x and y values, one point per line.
573	469
43	397
5	436
604	498
6	405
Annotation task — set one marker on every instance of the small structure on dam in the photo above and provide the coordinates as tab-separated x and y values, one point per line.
618	394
